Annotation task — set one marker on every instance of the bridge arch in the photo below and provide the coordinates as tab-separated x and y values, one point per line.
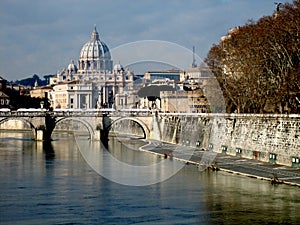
32	127
85	124
144	127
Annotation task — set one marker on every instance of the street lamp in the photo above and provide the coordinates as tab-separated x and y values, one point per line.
42	104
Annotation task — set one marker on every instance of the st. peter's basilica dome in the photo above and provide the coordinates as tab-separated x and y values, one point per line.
94	56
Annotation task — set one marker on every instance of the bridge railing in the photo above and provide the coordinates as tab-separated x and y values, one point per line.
101	112
74	112
20	113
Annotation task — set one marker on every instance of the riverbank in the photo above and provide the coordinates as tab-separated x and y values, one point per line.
276	174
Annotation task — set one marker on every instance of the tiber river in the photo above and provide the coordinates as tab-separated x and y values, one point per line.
53	184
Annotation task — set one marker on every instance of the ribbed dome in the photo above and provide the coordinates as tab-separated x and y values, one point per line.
94	56
95	48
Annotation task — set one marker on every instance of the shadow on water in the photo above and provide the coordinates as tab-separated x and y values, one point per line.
48	151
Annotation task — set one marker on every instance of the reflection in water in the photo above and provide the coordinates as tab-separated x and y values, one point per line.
50	183
48	151
124	164
49	154
239	199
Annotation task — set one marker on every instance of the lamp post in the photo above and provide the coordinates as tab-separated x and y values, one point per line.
42	105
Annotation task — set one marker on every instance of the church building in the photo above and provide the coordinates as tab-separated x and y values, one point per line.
94	83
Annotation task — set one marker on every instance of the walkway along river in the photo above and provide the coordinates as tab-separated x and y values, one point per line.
217	161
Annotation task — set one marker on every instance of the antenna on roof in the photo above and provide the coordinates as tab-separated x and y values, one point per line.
194	65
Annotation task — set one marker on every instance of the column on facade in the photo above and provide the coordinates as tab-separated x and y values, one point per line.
77	101
98	65
87	101
105	94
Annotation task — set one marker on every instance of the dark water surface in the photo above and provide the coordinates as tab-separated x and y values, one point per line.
53	184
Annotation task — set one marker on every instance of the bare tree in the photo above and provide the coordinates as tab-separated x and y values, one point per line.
257	65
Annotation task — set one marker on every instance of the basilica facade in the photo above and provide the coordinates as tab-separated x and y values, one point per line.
94	82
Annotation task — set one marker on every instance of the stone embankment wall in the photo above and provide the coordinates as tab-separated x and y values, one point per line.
273	138
270	138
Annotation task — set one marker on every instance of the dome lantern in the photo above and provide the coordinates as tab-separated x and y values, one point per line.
95	35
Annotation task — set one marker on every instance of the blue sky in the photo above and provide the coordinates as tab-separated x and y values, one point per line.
42	36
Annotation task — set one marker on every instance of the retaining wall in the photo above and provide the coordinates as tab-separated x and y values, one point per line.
271	138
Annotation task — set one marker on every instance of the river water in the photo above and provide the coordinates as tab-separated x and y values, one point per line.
53	184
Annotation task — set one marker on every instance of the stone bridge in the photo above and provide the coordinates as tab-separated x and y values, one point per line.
97	122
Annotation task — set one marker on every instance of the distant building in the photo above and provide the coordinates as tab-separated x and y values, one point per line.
190	84
184	101
40	92
162	75
195	74
198	102
174	101
201	78
74	94
4	98
95	82
158	78
126	100
145	103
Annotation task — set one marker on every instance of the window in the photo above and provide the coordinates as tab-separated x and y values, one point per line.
238	151
272	158
295	161
224	148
